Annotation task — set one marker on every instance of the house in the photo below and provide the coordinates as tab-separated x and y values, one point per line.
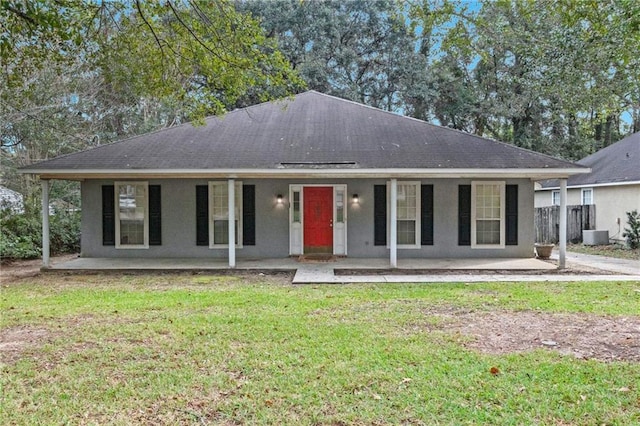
613	185
312	174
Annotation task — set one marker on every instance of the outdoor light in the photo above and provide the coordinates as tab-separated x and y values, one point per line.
356	199
279	199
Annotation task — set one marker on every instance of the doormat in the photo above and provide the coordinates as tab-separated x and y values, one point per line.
316	258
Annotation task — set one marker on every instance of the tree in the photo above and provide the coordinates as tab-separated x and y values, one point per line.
363	50
77	73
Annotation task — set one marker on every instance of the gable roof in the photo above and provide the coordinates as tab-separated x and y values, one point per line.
618	163
311	132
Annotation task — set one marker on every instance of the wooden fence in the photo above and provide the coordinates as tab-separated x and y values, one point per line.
579	218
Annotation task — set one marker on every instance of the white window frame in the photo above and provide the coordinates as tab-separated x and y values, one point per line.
582	192
474	186
418	220
555	198
238	212
117	186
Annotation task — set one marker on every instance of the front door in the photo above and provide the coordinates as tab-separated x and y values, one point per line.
318	219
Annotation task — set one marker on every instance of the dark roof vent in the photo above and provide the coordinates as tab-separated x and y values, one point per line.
318	164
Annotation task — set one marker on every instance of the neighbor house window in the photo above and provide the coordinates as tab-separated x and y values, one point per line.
219	214
555	198
487	214
408	208
587	196
132	218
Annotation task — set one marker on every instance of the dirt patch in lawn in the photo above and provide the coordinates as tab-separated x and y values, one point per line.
14	341
17	269
580	335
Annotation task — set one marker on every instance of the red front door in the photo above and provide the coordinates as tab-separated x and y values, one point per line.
318	219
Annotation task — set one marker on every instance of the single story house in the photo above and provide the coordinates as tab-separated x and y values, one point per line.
613	185
309	174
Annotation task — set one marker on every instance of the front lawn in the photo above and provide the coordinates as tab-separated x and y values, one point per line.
195	349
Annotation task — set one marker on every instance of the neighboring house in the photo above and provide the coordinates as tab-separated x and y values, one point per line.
613	185
316	174
10	199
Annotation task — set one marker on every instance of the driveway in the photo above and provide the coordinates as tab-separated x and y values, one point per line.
611	264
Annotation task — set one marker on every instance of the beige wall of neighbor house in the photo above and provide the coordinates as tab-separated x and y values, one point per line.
612	204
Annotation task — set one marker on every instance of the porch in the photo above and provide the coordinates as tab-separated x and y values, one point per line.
338	270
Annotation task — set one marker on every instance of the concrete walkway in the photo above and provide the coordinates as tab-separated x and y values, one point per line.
325	274
611	264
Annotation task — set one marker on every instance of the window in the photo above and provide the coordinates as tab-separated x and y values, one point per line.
296	206
587	196
132	218
487	214
339	205
219	214
555	198
408	210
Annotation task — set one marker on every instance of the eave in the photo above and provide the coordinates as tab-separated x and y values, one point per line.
302	173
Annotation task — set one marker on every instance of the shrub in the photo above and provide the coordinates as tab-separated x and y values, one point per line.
21	234
632	233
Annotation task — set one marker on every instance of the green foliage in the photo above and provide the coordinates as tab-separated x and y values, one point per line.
632	233
81	73
21	234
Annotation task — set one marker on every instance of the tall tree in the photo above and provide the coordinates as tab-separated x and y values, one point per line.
79	72
363	50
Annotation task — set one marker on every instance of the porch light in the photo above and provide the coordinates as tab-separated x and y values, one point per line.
355	198
279	199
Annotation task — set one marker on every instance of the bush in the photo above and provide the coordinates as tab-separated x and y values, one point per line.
21	234
632	233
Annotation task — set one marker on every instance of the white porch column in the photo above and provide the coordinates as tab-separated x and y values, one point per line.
563	224
232	223
393	224
45	223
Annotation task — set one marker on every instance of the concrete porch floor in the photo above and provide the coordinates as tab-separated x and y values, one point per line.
292	264
345	270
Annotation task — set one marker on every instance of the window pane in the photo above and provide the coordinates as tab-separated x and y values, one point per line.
406	232
220	202
339	206
132	209
488	232
296	207
221	231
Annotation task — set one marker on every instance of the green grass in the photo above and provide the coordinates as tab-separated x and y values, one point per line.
612	250
182	349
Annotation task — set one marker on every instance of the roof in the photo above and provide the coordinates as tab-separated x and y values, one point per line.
312	131
616	164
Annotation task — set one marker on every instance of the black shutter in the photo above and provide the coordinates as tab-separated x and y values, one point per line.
426	215
511	215
108	216
155	220
464	215
380	215
202	215
249	215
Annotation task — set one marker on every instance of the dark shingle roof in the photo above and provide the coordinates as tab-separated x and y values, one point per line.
313	130
616	163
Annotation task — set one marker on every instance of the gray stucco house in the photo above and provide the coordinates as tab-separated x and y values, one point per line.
312	174
613	185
